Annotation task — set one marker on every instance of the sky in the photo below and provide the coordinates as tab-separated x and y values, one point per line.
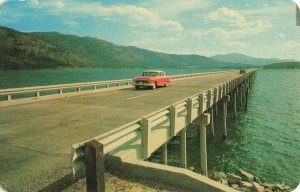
259	28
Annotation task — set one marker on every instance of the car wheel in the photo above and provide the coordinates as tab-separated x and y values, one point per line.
154	86
137	87
166	85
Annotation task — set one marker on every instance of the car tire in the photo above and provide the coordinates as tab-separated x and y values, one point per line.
154	86
166	85
137	87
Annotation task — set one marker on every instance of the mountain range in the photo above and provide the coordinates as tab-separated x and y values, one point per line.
39	50
240	58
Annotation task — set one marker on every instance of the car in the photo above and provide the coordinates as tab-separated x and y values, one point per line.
242	71
151	79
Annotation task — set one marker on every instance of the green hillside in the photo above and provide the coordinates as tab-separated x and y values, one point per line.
54	50
240	58
285	65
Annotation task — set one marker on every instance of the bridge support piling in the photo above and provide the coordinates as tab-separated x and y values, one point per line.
224	113
183	159
216	109
237	96
241	95
211	125
94	163
234	104
204	121
216	101
164	153
246	98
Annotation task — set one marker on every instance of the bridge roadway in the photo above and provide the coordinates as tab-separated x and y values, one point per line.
36	138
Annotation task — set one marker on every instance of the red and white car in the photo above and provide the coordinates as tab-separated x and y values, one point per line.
151	78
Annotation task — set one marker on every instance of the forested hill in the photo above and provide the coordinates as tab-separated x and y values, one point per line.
240	58
20	50
284	65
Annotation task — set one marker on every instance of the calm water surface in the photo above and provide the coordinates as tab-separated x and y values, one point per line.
264	140
27	78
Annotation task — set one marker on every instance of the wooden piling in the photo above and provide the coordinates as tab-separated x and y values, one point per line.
183	154
164	153
224	114
204	121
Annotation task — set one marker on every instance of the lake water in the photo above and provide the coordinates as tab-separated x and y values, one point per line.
264	140
27	78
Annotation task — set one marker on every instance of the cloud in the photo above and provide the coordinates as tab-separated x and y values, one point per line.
227	15
216	32
140	15
297	2
292	45
237	25
35	2
59	4
281	35
2	2
236	43
178	6
131	14
72	24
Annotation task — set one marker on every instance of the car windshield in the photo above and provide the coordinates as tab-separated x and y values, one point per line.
152	74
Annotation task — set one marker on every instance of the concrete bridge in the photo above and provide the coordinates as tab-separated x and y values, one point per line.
37	132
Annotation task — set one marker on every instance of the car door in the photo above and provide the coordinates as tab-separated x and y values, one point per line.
161	79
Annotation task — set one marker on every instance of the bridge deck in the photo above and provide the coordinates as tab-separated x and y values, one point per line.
32	134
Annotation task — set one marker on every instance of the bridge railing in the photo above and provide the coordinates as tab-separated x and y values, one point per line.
62	90
148	133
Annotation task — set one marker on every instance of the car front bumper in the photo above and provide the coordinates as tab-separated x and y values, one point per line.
143	84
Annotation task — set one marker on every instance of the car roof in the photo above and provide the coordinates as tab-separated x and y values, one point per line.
153	71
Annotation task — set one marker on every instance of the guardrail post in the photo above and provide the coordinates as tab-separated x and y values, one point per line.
94	87
8	97
204	120
107	86
78	89
164	153
173	118
60	91
94	163
146	132
37	94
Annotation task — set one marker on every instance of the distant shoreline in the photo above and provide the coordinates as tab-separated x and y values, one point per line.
285	65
